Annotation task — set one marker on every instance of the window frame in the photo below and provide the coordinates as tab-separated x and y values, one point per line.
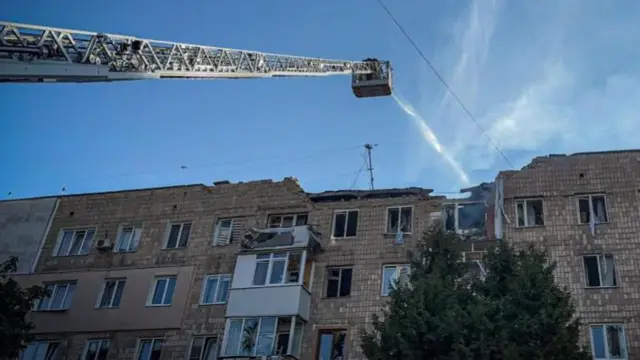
591	211
204	348
399	207
217	289
270	268
216	231
157	279
85	351
115	290
168	236
57	285
295	219
398	268
524	202
346	223
37	342
153	340
599	258
244	321
121	230
340	268
56	251
623	339
332	331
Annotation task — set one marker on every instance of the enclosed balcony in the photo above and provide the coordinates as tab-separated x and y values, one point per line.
273	273
260	337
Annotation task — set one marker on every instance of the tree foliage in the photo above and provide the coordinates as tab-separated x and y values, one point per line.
516	312
15	303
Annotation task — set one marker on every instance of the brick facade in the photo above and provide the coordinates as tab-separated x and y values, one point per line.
558	180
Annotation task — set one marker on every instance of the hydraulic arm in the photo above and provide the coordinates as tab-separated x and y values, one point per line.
31	53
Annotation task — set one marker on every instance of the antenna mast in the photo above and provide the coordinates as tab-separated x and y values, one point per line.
368	148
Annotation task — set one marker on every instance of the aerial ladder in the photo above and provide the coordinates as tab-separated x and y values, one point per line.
41	54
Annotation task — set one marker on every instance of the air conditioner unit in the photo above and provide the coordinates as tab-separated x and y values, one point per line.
104	245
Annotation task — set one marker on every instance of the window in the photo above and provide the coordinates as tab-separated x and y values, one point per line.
278	268
215	289
178	236
339	282
399	219
392	274
529	212
41	350
60	296
96	350
464	218
282	343
128	239
345	223
149	349
600	270
287	220
608	342
111	293
163	288
223	234
592	209
75	242
204	348
331	344
251	336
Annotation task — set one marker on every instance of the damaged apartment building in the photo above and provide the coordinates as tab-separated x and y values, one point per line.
264	270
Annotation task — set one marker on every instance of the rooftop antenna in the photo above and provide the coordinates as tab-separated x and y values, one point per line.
368	148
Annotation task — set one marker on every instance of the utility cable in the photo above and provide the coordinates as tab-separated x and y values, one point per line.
444	82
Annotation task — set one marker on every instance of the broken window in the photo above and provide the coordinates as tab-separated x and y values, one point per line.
287	220
600	270
399	219
223	234
339	282
608	342
345	223
529	212
392	274
471	216
592	207
450	217
331	344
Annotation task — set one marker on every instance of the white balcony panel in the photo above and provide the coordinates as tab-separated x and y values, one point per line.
283	300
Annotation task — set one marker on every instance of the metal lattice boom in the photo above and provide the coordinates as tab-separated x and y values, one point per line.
31	53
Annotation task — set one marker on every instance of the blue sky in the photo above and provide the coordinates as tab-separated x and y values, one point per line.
542	77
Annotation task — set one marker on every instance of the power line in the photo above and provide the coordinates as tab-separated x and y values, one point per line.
444	82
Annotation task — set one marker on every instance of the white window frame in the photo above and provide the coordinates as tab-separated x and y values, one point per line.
600	258
53	294
100	342
136	232
168	236
399	207
329	277
56	251
456	215
115	290
218	229
346	223
164	293
204	347
220	277
398	268
271	260
525	211
591	211
295	218
244	321
37	343
152	339
623	338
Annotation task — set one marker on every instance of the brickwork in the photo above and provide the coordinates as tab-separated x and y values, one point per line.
558	180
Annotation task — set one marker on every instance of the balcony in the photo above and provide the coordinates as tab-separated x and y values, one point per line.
262	337
273	273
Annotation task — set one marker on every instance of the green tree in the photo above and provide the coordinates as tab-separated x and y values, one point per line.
15	303
517	312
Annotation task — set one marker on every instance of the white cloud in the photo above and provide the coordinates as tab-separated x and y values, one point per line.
539	79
